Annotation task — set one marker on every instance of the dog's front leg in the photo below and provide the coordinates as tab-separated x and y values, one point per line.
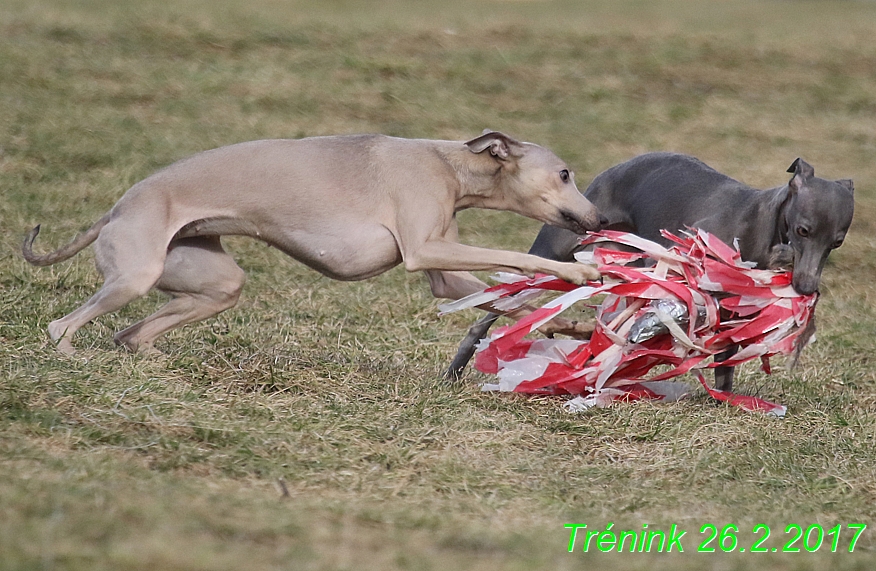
724	375
438	254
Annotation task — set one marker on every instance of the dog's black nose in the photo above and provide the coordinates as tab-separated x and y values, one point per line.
603	221
805	285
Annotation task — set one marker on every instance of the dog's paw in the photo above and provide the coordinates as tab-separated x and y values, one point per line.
781	257
65	347
578	274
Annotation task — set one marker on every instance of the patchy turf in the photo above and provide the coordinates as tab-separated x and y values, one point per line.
309	428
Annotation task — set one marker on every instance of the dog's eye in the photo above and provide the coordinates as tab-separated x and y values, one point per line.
802	231
564	175
837	244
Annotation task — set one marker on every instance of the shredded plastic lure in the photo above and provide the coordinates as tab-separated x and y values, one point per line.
644	322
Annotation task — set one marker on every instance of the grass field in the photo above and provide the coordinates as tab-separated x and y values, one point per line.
309	427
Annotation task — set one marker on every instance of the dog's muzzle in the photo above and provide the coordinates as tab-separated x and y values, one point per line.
572	222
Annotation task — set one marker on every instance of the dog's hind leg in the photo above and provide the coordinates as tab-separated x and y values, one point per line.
468	345
130	266
552	243
202	279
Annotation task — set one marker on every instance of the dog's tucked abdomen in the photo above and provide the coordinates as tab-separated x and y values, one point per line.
336	252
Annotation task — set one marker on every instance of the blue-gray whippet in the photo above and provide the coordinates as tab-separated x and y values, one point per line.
794	225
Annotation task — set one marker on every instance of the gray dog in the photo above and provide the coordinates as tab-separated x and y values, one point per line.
350	207
795	225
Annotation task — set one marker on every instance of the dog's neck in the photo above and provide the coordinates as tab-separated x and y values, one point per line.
763	219
478	177
778	206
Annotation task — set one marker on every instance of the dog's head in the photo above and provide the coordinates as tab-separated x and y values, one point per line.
536	183
815	218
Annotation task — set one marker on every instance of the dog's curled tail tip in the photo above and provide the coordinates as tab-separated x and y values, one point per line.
27	247
64	252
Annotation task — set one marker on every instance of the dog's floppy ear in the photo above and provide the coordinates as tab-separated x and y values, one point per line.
848	183
801	167
803	171
501	145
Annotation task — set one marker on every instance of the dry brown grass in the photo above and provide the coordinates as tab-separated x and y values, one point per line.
113	461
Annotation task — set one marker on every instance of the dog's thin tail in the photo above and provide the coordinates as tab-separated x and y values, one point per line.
64	252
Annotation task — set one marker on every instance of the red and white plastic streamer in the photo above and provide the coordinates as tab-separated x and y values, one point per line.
699	275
